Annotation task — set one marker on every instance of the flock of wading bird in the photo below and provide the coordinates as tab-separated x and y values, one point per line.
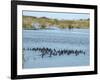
53	52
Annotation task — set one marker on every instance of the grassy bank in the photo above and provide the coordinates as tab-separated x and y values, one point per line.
29	22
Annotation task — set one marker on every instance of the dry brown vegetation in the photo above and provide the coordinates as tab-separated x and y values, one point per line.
47	22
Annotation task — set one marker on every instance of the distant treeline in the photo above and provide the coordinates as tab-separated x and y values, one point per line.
31	22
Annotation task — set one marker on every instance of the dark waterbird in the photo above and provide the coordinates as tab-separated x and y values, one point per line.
53	52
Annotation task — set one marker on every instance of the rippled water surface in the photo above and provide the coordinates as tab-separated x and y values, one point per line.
75	39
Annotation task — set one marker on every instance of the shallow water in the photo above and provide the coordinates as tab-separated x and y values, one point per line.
55	39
